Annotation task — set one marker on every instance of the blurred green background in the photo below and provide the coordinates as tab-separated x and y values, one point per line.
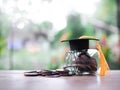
31	31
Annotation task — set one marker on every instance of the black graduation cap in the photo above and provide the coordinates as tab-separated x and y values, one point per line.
80	44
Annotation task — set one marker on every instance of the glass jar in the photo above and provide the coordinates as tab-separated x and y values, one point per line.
82	62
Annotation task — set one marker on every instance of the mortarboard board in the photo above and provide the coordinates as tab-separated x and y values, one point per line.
83	44
80	44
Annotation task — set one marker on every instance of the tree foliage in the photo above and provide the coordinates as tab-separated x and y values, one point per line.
74	28
4	31
107	11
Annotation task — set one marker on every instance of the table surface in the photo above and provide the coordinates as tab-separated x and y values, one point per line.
15	80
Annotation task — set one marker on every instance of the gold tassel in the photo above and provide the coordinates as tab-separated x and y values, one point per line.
103	63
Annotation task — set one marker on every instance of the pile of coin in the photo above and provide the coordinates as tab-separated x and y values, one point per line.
52	73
